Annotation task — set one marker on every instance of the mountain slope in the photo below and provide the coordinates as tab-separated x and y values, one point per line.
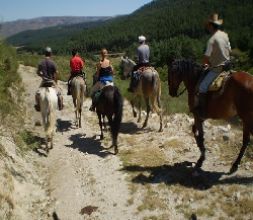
174	28
14	27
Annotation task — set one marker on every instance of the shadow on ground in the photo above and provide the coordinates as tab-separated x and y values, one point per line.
132	128
88	145
63	125
181	173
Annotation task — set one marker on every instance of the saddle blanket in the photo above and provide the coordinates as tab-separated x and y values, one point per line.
219	81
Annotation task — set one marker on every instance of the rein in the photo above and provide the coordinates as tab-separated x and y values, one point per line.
182	92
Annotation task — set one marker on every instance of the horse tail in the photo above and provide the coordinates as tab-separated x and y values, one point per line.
79	96
50	121
118	111
155	98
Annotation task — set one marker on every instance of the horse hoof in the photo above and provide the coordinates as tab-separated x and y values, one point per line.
116	151
233	169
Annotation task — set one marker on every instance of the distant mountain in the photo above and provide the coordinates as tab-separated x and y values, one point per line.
14	27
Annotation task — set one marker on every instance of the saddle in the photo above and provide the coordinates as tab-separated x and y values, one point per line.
47	83
144	68
220	81
99	92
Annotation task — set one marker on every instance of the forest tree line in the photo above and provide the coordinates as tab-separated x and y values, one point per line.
173	28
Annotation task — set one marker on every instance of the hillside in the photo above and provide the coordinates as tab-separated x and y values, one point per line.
13	27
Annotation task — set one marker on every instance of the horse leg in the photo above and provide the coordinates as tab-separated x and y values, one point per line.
139	116
148	110
104	124
100	125
114	135
199	137
160	113
80	117
76	113
133	109
246	140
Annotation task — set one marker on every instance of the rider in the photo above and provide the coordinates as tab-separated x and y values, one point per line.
76	65
143	54
104	75
217	55
48	72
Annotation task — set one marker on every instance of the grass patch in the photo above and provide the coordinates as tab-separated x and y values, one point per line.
152	201
3	153
26	141
143	156
6	201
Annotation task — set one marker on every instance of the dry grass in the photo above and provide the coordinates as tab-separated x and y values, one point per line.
6	201
152	200
143	156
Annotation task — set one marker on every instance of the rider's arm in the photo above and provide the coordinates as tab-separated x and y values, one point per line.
39	71
97	69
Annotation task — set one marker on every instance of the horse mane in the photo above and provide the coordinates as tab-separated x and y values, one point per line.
187	68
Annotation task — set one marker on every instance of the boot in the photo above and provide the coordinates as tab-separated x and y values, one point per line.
60	102
202	107
37	102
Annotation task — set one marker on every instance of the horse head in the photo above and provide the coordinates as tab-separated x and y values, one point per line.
174	78
127	66
183	70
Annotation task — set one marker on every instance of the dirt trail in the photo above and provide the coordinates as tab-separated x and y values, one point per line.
79	171
86	181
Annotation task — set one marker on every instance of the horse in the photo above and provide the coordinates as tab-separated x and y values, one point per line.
110	105
48	105
149	87
78	90
235	99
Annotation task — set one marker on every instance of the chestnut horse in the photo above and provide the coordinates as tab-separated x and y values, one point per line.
149	87
236	99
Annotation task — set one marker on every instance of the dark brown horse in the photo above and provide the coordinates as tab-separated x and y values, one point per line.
236	99
110	104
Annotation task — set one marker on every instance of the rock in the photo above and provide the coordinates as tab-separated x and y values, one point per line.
226	137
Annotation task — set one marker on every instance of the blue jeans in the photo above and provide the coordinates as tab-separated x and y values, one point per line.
207	81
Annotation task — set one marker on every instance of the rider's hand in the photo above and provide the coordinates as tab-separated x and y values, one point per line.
205	66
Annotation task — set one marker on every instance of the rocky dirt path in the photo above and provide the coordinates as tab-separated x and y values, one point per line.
151	176
84	178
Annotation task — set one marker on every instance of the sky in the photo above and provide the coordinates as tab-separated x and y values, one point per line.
23	9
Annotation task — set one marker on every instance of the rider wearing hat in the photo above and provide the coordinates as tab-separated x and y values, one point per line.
216	56
143	54
48	72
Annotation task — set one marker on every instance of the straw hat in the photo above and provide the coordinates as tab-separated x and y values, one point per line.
214	18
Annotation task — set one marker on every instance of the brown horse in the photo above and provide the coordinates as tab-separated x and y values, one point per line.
149	87
236	99
78	89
